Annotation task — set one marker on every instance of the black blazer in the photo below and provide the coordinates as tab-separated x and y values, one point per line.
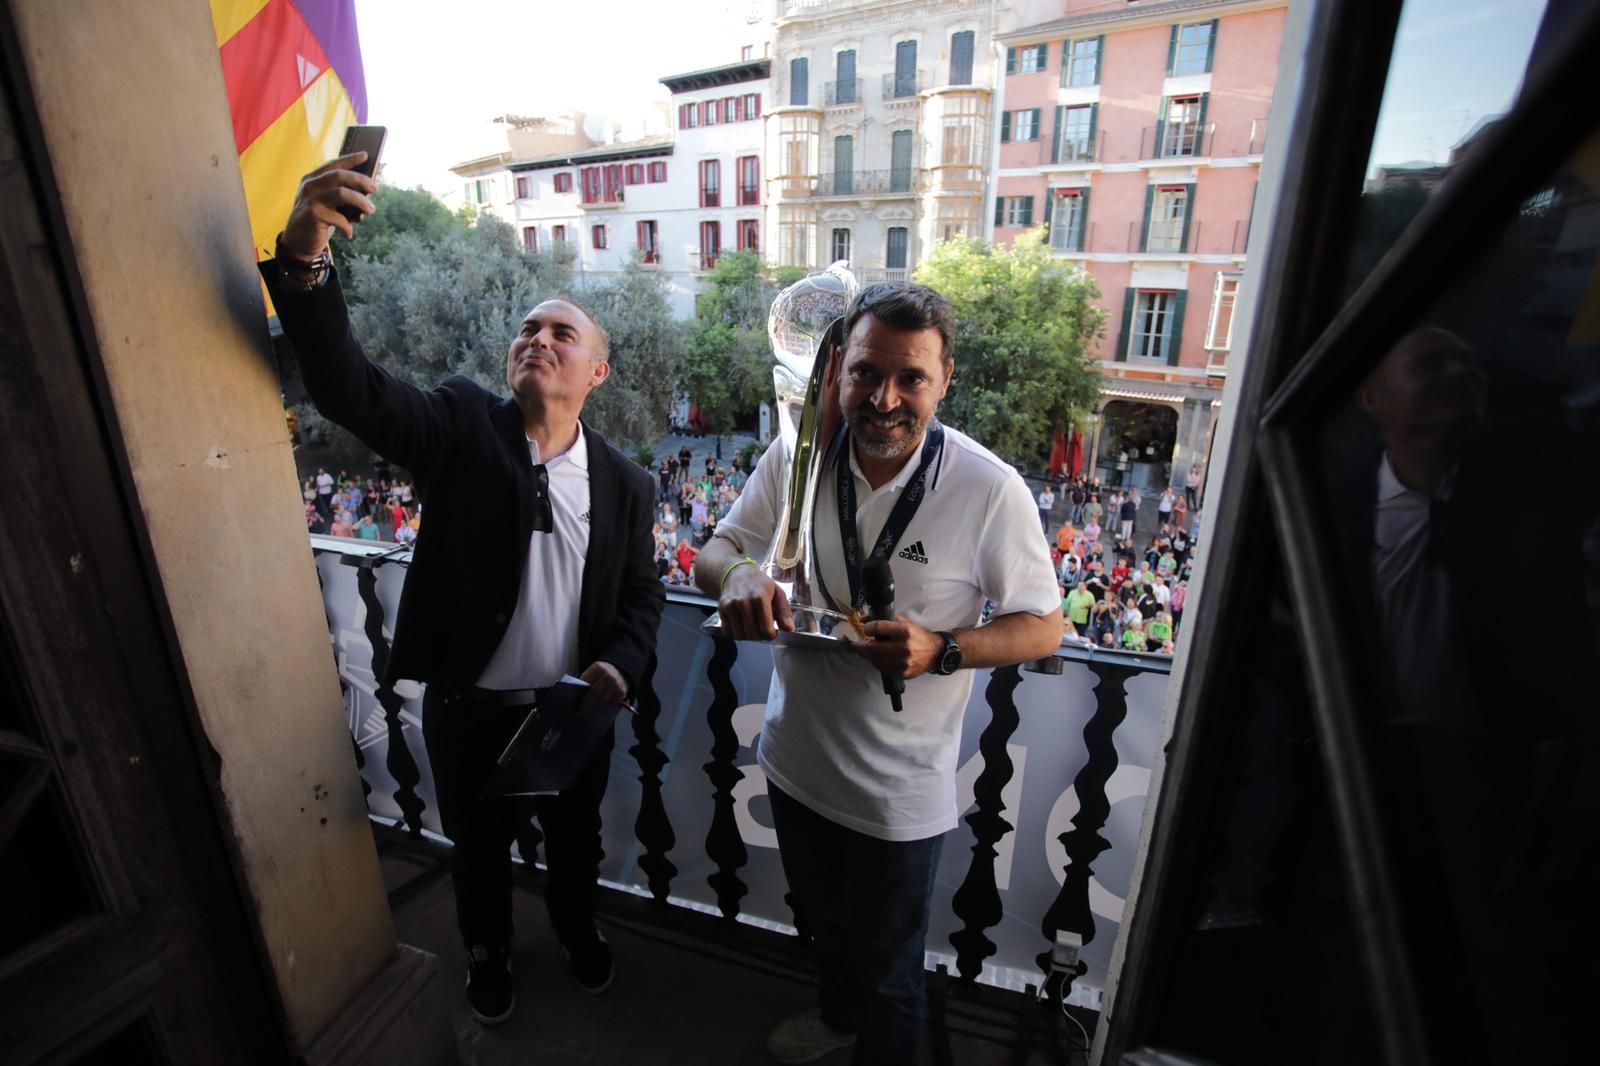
466	449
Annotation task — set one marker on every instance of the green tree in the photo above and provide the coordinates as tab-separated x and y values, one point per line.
399	212
633	405
450	306
1024	324
727	366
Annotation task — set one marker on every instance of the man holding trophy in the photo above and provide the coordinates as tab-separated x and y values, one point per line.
862	792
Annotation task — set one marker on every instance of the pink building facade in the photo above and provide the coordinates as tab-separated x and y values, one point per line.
1134	135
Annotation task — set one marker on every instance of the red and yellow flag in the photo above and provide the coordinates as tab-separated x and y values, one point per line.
294	78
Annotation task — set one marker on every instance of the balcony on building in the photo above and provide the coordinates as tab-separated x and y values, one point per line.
904	85
900	181
1176	140
846	93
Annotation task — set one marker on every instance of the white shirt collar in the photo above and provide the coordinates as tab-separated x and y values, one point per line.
903	475
578	452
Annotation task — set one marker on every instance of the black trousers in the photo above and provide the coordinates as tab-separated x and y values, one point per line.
464	737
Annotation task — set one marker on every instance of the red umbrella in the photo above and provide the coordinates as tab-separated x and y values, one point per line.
1075	455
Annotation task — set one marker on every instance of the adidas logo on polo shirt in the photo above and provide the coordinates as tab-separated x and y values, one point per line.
915	553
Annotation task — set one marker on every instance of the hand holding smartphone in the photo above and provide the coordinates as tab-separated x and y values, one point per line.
368	139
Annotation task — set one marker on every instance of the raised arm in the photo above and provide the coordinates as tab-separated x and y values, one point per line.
399	421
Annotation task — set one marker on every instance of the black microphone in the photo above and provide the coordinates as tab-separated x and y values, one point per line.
878	580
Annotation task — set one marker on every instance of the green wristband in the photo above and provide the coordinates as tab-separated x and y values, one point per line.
746	561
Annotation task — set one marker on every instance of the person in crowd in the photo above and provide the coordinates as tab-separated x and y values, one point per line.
1070	634
1114	509
488	621
324	482
1077	496
1133	638
1096	580
1158	634
1092	513
1147	602
342	526
1180	544
367	529
861	797
1191	487
1047	503
686	502
1180	595
1071	572
1091	530
1077	603
1180	514
1108	638
1161	591
1119	575
315	522
1164	507
684	461
1128	514
699	511
1167	566
1096	553
664	477
686	555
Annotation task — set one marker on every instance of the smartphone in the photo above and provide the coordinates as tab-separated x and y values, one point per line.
368	139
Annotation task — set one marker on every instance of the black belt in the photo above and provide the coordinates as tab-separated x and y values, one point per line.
514	697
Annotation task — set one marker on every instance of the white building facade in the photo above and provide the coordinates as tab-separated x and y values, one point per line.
880	140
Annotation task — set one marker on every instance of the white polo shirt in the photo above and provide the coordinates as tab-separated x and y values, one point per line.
830	739
541	641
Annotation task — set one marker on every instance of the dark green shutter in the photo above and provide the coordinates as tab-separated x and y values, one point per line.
1027	210
1211	46
999	210
1161	129
1055	139
1049	205
1037	113
1144	227
1201	145
1094	125
1175	325
1172	51
1083	221
1066	60
1011	60
1188	216
1128	296
1099	56
1044	57
1005	127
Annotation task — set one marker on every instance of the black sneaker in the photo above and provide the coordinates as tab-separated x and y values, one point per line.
590	958
489	987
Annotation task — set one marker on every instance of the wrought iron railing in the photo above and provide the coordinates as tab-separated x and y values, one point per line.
1086	726
868	182
899	86
842	93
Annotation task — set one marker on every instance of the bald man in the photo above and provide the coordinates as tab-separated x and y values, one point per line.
536	561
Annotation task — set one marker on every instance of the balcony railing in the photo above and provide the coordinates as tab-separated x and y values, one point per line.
692	717
749	195
900	86
711	197
873	275
1078	150
1067	238
709	259
868	182
842	93
604	198
1176	140
1165	235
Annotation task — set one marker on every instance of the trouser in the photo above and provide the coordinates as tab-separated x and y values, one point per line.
1189	497
1126	528
464	737
1077	513
865	902
1044	519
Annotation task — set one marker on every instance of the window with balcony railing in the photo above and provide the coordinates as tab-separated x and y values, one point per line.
1069	209
1168	228
1179	133
710	244
748	168
710	183
649	250
749	235
1075	134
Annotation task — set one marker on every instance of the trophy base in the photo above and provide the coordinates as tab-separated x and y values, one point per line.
812	641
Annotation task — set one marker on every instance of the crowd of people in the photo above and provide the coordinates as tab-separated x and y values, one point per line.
1115	593
363	508
689	504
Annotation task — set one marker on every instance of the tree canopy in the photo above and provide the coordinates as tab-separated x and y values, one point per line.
1024	325
727	365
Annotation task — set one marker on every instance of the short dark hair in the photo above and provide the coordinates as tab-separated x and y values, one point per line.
604	351
904	305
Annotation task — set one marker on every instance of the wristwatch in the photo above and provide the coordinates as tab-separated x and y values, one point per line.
949	660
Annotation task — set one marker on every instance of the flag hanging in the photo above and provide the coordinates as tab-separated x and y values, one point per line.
294	79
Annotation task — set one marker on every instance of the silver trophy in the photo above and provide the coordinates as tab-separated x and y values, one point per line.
801	325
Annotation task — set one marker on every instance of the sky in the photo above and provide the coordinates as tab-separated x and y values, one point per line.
1455	62
437	73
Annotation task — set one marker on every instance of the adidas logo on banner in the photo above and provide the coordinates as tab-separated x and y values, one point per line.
584	518
915	553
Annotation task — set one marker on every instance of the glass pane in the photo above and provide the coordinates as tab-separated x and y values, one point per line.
1458	479
1267	969
1452	73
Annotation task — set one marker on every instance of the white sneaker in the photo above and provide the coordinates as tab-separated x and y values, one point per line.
804	1038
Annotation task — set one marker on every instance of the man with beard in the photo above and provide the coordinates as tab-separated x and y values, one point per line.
862	796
